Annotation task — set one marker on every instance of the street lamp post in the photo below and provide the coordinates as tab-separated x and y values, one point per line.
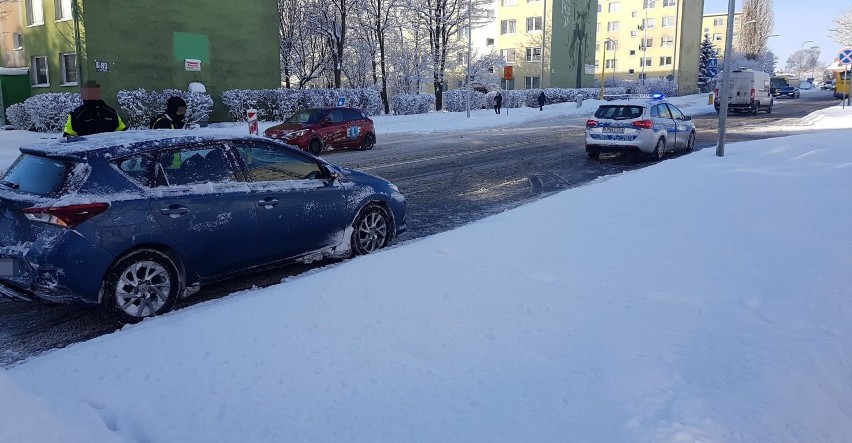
469	38
603	67
726	84
802	55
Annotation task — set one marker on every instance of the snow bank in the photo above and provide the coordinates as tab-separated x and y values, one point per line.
700	299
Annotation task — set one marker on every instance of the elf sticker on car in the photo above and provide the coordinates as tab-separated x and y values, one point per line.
354	132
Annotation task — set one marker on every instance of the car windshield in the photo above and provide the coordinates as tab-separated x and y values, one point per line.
306	117
778	83
619	112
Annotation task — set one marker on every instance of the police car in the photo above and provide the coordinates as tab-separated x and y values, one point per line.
644	124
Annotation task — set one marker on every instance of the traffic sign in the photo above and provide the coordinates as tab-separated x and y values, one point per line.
712	72
845	56
712	63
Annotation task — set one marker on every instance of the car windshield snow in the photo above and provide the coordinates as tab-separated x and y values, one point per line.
619	112
306	117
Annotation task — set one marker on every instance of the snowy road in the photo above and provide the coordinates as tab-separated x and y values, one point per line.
450	179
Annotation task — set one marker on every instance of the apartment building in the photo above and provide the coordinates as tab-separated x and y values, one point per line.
650	39
715	26
548	43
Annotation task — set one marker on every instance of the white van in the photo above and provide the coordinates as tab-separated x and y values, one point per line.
750	92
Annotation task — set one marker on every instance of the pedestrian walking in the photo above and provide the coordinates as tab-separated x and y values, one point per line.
498	102
541	99
173	118
93	116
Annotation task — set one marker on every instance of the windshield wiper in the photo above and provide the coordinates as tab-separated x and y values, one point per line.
9	184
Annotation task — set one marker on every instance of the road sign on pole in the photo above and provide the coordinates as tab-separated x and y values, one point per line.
845	56
712	62
712	72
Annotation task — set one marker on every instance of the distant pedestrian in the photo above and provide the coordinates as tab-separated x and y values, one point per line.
541	99
173	118
93	116
498	102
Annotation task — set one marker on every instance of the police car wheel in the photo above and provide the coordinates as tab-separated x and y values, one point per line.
660	149
690	143
315	147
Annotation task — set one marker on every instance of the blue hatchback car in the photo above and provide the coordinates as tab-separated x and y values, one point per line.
135	221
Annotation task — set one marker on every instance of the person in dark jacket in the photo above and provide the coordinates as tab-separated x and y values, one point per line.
541	99
93	116
498	102
173	118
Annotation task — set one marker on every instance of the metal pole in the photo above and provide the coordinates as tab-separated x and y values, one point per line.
78	46
543	43
469	38
726	84
603	71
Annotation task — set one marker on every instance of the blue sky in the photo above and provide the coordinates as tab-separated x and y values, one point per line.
795	22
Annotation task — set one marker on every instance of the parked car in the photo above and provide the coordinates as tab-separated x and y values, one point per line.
135	221
785	86
749	91
315	130
827	86
648	126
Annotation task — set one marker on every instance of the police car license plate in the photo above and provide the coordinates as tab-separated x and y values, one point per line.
613	130
7	267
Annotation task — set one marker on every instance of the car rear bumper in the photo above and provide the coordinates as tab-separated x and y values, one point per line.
611	149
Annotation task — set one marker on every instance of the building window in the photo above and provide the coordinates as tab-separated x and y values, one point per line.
612	26
648	4
633	33
18	41
632	52
39	71
643	76
718	22
464	32
645	61
491	14
668	21
665	61
647	43
717	37
597	64
68	64
598	27
63	9
614	7
669	2
489	42
647	23
597	46
532	82
533	54
533	24
599	7
35	12
508	55
667	41
533	1
634	14
631	71
610	63
611	45
509	2
507	27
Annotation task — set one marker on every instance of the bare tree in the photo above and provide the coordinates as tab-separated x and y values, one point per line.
756	25
442	19
408	60
803	61
329	18
842	31
377	16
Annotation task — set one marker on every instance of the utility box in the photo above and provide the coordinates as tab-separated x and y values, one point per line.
14	88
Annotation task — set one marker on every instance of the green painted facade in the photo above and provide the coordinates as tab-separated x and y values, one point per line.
572	43
144	44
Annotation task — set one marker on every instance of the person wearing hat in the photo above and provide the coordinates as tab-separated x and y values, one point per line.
93	116
173	118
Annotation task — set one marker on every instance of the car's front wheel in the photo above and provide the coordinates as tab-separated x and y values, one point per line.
371	231
315	147
368	142
142	283
690	142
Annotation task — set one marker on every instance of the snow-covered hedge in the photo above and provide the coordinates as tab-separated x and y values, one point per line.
46	112
278	104
16	115
407	104
456	100
139	106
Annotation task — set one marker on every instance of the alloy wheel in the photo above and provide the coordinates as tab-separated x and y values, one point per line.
143	288
372	232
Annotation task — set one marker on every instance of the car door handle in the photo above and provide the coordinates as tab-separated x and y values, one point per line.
268	203
174	211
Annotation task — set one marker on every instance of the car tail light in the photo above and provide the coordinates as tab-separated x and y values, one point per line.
65	216
752	94
717	92
591	123
644	124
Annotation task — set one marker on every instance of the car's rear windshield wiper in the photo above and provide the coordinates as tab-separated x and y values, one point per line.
9	184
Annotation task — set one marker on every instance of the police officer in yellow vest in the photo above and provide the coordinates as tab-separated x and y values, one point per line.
93	116
173	118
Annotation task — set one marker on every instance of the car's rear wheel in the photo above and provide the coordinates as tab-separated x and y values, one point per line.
372	230
141	284
660	149
315	147
368	142
769	109
690	142
756	108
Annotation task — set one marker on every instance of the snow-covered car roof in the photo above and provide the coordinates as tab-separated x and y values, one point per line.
635	102
119	144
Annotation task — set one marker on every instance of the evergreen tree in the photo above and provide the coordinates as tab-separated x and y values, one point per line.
707	52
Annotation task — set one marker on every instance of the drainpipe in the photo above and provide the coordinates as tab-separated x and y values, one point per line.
78	45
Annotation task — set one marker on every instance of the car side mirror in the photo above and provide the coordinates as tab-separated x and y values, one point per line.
331	174
687	118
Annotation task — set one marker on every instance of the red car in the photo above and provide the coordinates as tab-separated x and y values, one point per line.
317	129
